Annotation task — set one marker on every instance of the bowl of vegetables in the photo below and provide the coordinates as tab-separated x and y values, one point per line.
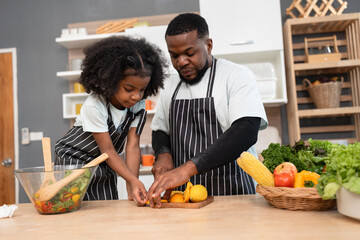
341	180
68	198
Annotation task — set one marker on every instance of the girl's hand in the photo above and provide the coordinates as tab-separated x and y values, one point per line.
128	190
138	192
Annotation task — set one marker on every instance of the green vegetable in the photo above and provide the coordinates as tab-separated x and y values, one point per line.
330	190
276	154
305	157
342	168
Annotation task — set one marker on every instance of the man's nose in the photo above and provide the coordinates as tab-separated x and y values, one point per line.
183	60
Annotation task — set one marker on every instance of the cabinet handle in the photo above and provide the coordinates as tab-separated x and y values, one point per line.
242	42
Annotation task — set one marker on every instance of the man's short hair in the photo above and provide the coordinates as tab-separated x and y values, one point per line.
187	22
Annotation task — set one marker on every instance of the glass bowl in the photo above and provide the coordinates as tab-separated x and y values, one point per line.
68	199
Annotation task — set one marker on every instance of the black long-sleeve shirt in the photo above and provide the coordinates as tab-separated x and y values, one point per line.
238	138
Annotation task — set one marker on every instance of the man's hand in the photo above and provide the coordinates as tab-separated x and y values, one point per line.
170	180
163	164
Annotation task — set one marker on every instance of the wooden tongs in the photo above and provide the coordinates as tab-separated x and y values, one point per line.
49	177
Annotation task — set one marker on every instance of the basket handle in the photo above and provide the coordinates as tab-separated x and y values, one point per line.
306	82
318	39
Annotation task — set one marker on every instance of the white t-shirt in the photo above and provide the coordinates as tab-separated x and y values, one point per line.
93	114
235	96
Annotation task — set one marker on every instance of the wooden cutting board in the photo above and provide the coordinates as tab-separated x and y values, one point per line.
209	200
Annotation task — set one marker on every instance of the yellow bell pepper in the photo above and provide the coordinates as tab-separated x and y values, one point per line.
74	189
306	179
75	198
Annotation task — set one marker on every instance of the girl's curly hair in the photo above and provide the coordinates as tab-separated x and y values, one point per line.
107	62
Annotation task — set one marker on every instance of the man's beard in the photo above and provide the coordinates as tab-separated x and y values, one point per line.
200	74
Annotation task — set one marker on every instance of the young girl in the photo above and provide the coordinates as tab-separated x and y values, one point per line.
119	73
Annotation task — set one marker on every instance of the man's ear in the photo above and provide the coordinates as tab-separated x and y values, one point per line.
209	45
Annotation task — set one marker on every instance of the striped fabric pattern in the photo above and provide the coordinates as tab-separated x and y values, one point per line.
194	127
79	147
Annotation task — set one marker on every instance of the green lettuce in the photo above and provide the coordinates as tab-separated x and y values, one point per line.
342	169
310	157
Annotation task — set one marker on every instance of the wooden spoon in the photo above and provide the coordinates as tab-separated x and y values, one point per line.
47	192
49	177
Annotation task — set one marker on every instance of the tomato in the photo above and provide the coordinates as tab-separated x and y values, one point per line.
284	180
46	207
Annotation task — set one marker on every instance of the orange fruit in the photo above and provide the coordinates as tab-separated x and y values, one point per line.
162	200
316	83
187	192
177	197
174	192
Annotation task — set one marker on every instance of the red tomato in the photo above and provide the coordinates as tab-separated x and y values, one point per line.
284	180
46	207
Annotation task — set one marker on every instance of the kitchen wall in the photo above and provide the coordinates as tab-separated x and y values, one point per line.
31	27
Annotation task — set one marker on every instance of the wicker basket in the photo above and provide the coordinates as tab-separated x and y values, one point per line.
295	198
325	95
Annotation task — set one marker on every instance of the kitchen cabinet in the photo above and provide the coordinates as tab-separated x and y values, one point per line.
241	26
70	100
248	32
304	120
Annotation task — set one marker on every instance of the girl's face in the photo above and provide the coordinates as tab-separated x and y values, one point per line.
131	90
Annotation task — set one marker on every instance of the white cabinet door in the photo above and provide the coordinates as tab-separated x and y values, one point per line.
241	26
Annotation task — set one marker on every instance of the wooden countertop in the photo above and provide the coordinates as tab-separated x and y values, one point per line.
228	217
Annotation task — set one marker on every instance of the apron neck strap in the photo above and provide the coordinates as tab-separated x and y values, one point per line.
211	80
211	77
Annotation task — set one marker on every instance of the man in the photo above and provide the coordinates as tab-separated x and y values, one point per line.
205	118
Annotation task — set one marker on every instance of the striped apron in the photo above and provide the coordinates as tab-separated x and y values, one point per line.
194	127
79	147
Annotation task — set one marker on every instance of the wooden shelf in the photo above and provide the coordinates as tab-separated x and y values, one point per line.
326	112
344	65
315	25
325	129
314	120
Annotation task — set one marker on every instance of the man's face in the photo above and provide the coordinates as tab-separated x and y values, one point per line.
189	54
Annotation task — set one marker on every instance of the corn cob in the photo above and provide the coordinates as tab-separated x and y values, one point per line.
256	169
